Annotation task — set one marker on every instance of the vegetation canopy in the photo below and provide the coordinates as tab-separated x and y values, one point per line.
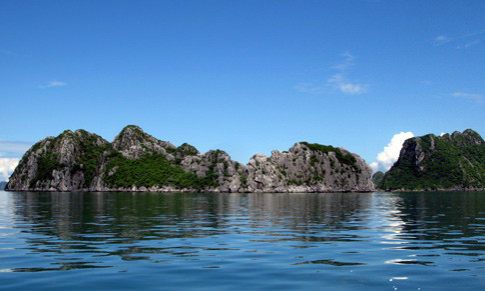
446	162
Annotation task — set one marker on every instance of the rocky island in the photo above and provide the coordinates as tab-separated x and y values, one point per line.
136	161
438	163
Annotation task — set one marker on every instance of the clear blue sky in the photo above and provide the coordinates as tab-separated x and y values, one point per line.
242	76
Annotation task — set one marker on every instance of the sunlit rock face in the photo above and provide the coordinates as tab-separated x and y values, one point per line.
309	168
136	161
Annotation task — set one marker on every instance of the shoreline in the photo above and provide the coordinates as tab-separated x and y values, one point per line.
194	191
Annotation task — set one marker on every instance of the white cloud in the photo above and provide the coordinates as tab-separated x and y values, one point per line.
463	41
469	44
477	98
389	156
309	88
7	166
53	84
10	154
337	82
13	149
442	39
347	62
340	82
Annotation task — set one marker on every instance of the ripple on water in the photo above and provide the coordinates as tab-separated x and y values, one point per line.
234	241
331	262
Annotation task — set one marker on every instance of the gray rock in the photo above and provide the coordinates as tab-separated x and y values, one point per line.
58	164
83	161
133	142
303	169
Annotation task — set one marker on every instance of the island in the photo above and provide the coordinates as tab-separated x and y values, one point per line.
136	161
450	162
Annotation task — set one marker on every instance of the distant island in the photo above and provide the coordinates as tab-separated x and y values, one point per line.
136	161
2	185
432	163
377	177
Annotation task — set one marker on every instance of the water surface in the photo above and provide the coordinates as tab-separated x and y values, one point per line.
386	241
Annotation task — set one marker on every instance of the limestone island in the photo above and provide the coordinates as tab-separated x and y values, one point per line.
450	162
136	161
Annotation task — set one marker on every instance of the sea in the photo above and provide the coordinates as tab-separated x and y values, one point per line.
233	241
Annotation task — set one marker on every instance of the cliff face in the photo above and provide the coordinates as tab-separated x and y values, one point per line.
68	162
136	161
133	143
448	162
309	168
377	177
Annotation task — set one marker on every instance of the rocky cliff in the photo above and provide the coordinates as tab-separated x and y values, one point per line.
448	162
308	168
136	161
377	177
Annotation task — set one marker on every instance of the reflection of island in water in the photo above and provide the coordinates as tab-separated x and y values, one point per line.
141	215
442	216
135	226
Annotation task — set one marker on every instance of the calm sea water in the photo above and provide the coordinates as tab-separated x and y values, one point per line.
386	241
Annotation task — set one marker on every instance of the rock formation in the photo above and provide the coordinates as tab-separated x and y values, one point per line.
136	161
447	162
308	168
377	177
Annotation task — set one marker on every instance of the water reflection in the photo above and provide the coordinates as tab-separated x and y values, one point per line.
379	231
141	216
426	215
449	222
137	216
135	226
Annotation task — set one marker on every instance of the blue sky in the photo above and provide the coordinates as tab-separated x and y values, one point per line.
242	76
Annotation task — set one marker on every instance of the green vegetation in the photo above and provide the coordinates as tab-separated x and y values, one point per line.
139	134
135	159
244	179
91	155
155	170
86	150
346	159
46	164
295	182
377	177
152	169
47	160
447	162
187	150
313	160
315	179
283	172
